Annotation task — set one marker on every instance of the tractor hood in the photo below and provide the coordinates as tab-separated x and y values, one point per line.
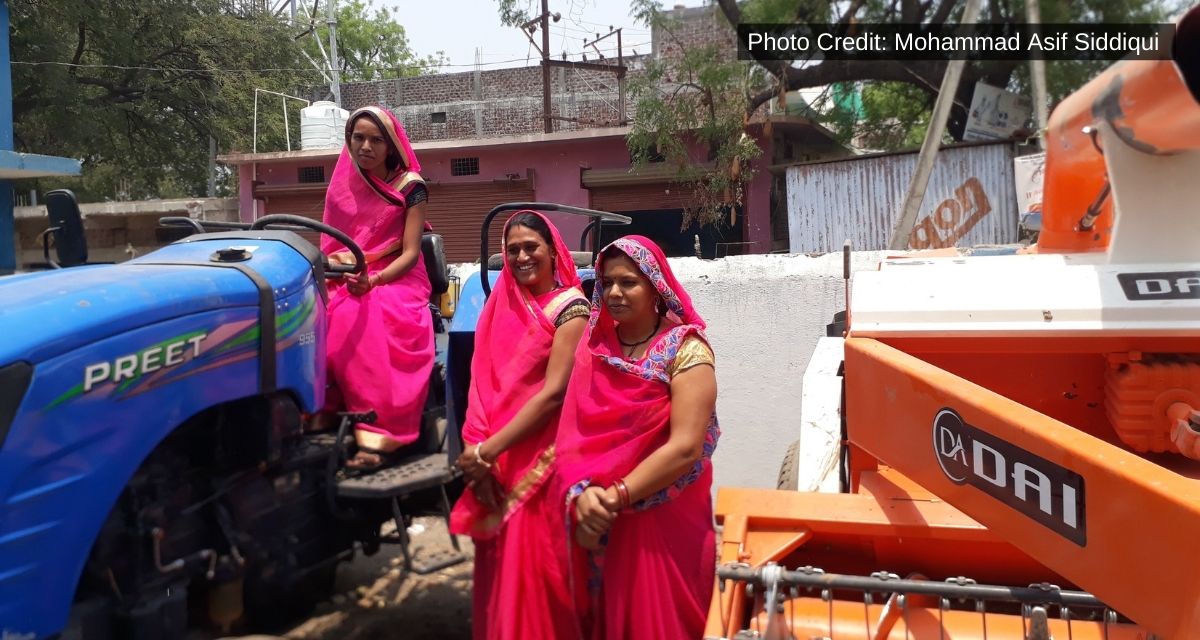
48	313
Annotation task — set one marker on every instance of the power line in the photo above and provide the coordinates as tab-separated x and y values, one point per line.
601	24
591	32
117	67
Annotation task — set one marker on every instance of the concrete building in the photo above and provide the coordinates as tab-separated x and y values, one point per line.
481	141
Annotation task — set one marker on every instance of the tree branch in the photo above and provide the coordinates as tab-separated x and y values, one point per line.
943	12
855	5
78	50
732	13
116	93
923	74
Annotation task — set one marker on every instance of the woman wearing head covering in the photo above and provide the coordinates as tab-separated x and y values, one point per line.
525	345
638	430
380	338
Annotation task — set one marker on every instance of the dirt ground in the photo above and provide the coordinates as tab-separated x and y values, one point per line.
376	600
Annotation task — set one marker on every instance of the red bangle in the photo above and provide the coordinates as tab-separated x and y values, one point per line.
622	493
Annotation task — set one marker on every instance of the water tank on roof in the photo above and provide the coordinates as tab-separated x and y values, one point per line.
323	126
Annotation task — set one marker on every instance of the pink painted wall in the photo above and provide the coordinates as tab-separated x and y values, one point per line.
556	171
556	167
246	192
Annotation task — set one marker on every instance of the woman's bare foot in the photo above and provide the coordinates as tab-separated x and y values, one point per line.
320	421
366	461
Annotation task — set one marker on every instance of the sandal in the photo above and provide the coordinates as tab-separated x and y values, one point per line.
368	461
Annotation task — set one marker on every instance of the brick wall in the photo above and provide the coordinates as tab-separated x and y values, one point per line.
694	27
484	104
504	102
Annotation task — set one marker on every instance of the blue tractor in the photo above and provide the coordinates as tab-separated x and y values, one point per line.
155	473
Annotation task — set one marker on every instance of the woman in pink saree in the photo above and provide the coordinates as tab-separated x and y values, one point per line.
380	338
638	431
524	351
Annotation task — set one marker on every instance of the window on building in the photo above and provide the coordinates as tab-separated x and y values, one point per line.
464	166
438	117
311	175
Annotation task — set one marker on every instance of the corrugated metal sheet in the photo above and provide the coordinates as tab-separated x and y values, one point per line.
970	200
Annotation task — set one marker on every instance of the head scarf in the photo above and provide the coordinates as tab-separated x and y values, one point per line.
370	210
617	412
513	339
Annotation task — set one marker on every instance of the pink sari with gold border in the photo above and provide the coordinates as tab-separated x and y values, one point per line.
519	590
379	345
654	573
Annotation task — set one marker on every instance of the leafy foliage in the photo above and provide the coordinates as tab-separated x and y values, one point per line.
708	98
371	46
135	88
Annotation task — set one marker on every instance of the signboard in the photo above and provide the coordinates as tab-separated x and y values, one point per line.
995	113
1029	172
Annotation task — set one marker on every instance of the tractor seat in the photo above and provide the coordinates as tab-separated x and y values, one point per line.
583	260
433	252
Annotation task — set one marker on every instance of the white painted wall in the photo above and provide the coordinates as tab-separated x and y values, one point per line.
765	315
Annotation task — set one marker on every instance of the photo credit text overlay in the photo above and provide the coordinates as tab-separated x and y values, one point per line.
946	42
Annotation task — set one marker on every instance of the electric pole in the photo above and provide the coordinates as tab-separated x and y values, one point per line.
335	83
1037	73
549	123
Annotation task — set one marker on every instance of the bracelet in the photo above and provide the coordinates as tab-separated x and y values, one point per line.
622	493
479	457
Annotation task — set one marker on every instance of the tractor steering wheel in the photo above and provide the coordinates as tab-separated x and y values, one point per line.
286	220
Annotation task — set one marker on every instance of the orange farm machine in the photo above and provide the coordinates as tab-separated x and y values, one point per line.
1020	452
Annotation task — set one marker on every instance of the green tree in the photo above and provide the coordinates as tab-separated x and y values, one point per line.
707	97
135	89
372	45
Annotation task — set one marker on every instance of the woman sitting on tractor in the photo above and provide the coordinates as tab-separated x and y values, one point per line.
380	338
639	428
524	350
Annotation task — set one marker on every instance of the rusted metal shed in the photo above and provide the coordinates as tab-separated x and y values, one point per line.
971	200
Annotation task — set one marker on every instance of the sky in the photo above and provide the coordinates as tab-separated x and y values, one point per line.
458	27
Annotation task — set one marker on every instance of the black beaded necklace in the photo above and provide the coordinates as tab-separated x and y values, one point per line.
657	323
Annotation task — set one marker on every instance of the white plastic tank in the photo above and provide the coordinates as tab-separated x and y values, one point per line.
322	126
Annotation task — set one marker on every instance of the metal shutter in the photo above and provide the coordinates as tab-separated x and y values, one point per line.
306	200
641	197
457	210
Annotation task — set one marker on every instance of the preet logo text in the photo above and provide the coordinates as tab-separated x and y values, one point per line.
148	360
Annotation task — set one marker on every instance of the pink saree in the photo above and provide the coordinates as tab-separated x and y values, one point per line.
380	345
654	575
519	589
